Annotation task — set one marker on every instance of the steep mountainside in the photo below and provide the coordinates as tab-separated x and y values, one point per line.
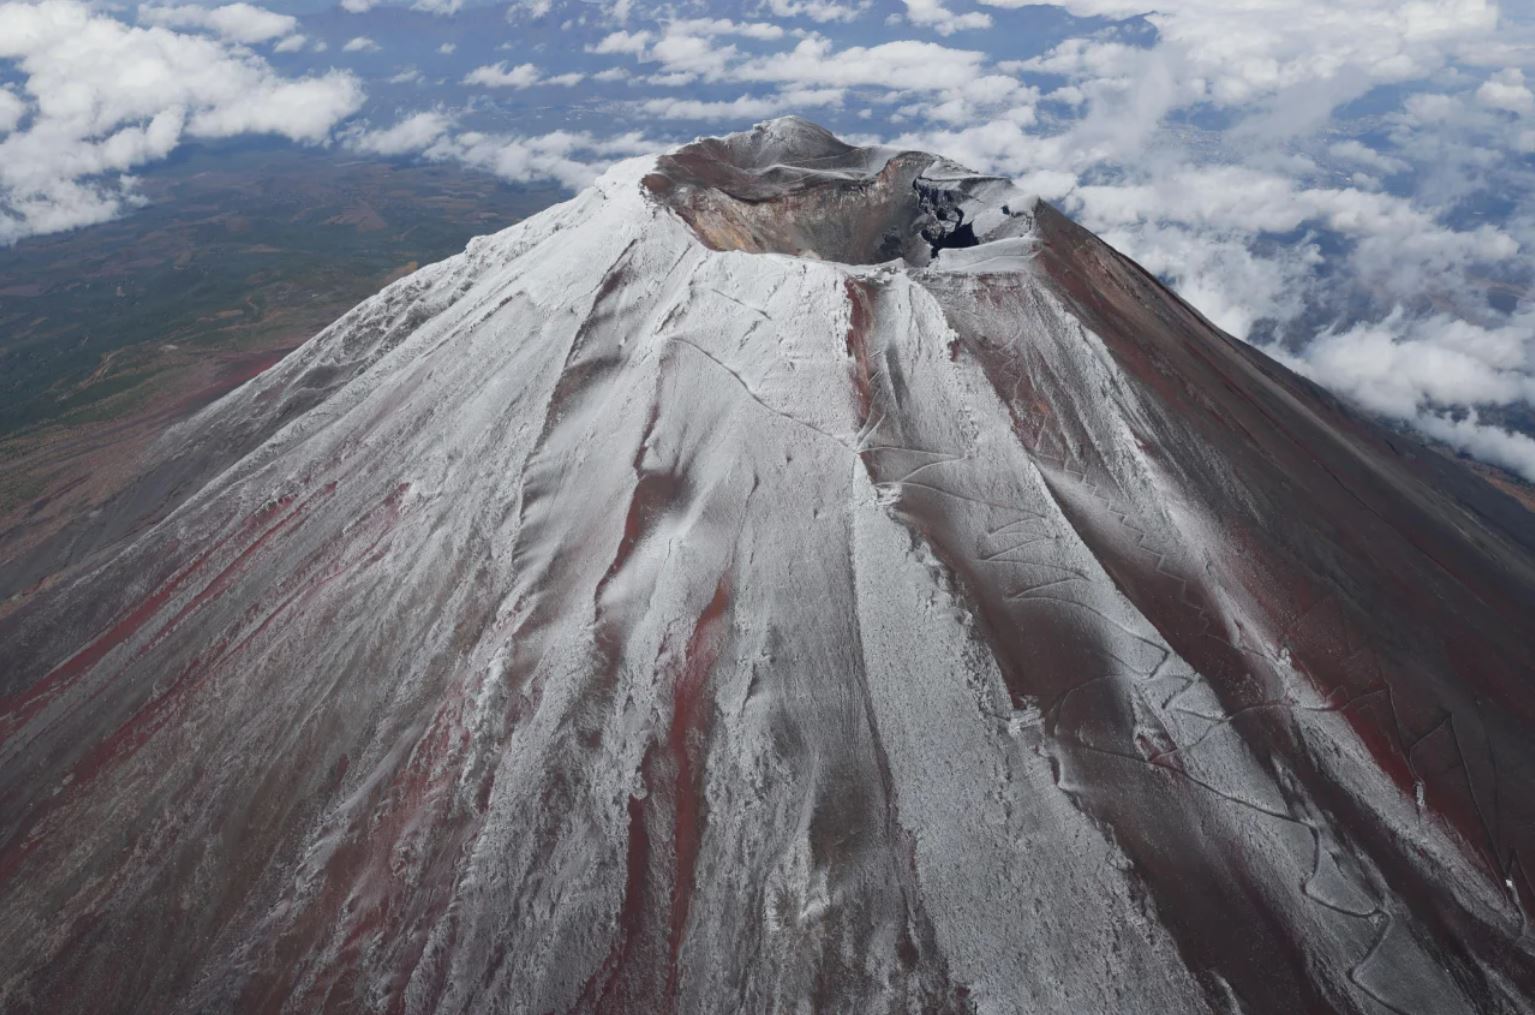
787	576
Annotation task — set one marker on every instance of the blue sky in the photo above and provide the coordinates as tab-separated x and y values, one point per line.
1345	182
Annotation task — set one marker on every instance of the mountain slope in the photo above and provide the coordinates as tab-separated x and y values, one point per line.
787	575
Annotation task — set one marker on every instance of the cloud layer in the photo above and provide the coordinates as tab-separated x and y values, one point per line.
98	98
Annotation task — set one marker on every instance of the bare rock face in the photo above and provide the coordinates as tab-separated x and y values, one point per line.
786	577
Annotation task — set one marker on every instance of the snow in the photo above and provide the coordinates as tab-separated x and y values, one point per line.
604	618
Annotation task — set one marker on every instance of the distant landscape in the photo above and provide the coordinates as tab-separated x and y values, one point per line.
111	333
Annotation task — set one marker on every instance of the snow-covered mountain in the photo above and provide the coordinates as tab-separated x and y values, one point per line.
786	577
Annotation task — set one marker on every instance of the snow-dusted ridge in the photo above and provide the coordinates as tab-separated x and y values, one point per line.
701	596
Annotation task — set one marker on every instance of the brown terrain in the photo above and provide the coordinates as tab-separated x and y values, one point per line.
111	334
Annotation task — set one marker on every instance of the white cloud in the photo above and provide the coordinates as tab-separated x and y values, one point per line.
1512	451
933	14
622	42
673	80
761	30
747	107
534	9
1507	90
994	146
1402	365
499	76
1047	184
12	109
818	10
904	65
1286	65
238	22
358	6
692	54
94	122
1411	368
412	134
303	110
360	44
1397	252
991	95
1360	154
571	158
447	48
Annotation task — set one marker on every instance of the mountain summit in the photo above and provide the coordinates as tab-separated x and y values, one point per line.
788	576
